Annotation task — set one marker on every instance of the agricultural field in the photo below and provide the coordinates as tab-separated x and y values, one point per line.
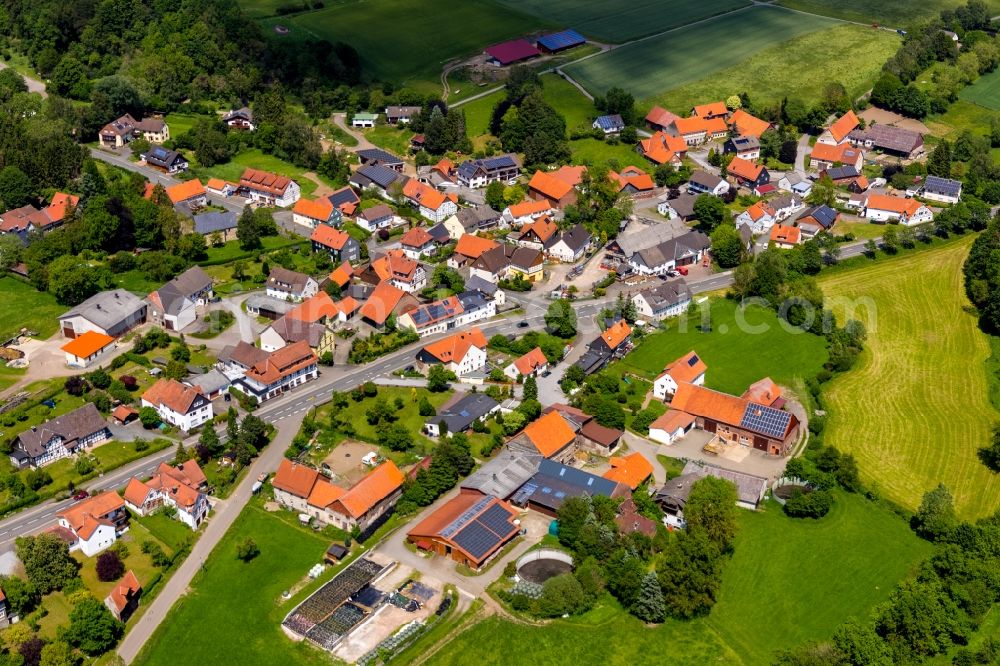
984	92
962	115
36	310
863	550
735	359
245	619
767	78
620	21
893	13
683	56
406	41
924	365
567	98
479	111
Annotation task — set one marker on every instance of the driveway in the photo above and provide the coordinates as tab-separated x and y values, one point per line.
800	154
738	458
34	85
245	324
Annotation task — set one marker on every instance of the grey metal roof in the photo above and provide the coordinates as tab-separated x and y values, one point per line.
209	382
667	294
504	474
705	179
555	482
269	303
943	186
108	308
476	283
459	415
207	223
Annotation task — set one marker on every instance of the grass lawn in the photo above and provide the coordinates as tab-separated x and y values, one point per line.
916	408
985	91
479	111
10	376
253	158
766	76
570	102
593	152
389	138
261	8
241	602
406	41
27	308
894	13
961	115
684	56
735	358
861	230
172	533
58	608
180	123
862	550
618	21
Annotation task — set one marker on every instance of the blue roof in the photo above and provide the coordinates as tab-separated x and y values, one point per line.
380	175
379	155
206	223
342	196
610	123
561	40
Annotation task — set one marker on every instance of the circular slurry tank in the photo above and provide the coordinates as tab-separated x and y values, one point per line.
540	565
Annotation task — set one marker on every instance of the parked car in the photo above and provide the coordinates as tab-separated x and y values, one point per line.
682	270
522	324
80	495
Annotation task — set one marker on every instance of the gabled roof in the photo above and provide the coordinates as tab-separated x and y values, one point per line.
379	155
616	334
124	591
87	344
530	207
345	199
473	246
550	434
781	233
471	524
172	394
381	302
763	391
295	478
748	125
531	361
376	486
673	420
700	401
888	137
543	228
435	312
759	210
378	212
86	516
512	51
945	186
893	204
416	237
282	363
313	309
707	180
610	123
328	236
685	369
187	190
454	348
692	125
666	294
634	177
844	126
503	474
342	274
265	181
315	209
423	194
711	109
630	470
843	152
823	215
207	223
660	116
745	169
378	174
61	202
663	147
549	186
81	422
575	238
394	265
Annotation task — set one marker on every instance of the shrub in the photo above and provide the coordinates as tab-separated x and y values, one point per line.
815	504
247	550
109	566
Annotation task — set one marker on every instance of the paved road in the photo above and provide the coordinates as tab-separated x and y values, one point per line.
34	85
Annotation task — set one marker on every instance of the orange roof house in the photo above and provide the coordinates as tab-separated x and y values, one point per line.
556	191
660	118
663	148
690	126
782	235
454	348
282	363
189	190
423	195
685	369
764	391
342	274
633	179
530	208
327	236
550	435
61	203
712	110
892	204
87	345
473	247
416	238
616	334
539	231
318	308
747	125
631	470
761	209
745	170
573	175
265	182
295	478
124	596
375	487
529	363
843	126
84	518
384	301
827	154
172	394
700	401
318	210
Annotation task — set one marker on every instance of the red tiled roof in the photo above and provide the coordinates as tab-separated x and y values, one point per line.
282	363
529	207
660	116
474	246
186	190
630	470
744	169
616	334
571	175
84	518
455	347
264	181
315	209
785	234
172	394
543	228
685	369
748	125
633	176
417	237
87	344
531	361
377	485
423	194
844	126
124	591
342	274
550	434
892	204
549	186
295	478
673	420
711	109
327	236
700	401
314	309
61	202
844	152
381	302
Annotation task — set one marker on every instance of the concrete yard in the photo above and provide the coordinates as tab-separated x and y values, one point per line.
737	458
344	462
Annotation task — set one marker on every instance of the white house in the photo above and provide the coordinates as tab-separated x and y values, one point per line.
943	190
786	205
532	363
113	313
95	523
375	218
759	217
175	305
670	427
795	183
280	371
668	299
177	487
527	212
87	349
290	285
269	189
885	208
59	438
179	405
702	182
462	353
688	369
570	245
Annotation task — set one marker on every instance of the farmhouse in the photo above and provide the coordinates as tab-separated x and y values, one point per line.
744	124
839	132
180	488
816	219
673	495
569	245
461	353
668	299
269	189
461	413
395	115
884	208
174	305
223	223
710	110
785	237
290	285
545	186
59	438
502	475
379	157
527	211
365	505
554	482
745	147
386	300
113	313
190	193
612	124
95	523
118	132
179	405
748	174
688	369
515	50
943	190
826	156
469	528
241	118
530	364
509	261
632	180
375	218
481	172
168	161
431	204
474	219
696	130
890	140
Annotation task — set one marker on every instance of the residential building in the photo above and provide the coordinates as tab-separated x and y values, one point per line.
539	234
468	249
816	219
679	207
688	369
344	200
220	187
744	124
430	318
748	174
241	118
557	192
481	172
235	360
417	243
943	190
223	223
570	245
59	438
703	182
364	120
614	342
118	133
378	179
527	211
891	140
282	370
382	158
633	181
785	206
336	243
474	219
460	413
178	405
696	130
840	130
290	285
673	496
886	208
180	488
632	470
431	204
384	301
314	212
785	237
375	218
123	598
529	365
550	436
610	124
826	156
211	384
684	250
113	312
289	330
663	148
710	110
22	221
659	119
795	183
508	261
94	523
269	189
555	482
759	217
398	269
745	147
154	130
395	115
365	505
174	305
469	528
848	177
462	353
668	299
168	161
190	193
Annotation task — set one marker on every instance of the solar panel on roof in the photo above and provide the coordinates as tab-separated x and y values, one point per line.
497	519
693	360
765	420
476	539
467	515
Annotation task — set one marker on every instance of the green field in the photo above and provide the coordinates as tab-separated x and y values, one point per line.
961	115
26	307
479	111
894	13
789	581
595	152
408	41
649	67
253	158
619	21
567	98
241	619
916	408
767	77
735	359
261	8
985	91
